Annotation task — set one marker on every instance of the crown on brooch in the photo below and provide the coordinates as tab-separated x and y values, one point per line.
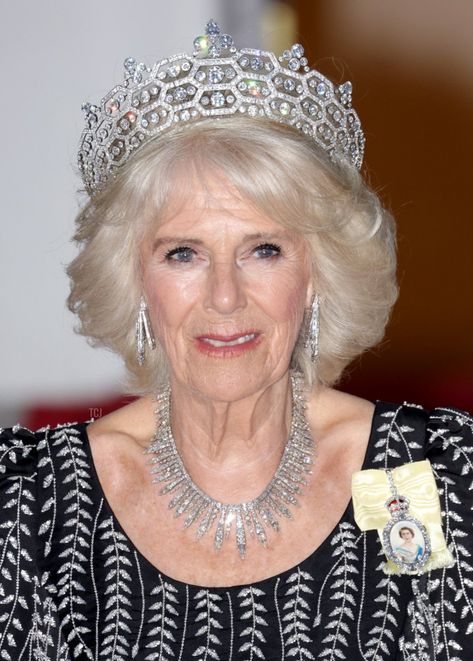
216	81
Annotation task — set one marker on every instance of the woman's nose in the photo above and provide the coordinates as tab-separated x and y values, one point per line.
225	292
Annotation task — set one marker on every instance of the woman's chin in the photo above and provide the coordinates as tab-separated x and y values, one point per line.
227	380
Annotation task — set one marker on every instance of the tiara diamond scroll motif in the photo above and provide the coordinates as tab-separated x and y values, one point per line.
216	81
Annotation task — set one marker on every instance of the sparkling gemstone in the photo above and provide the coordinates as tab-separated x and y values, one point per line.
154	118
169	98
174	71
312	110
200	76
286	55
289	85
115	151
229	73
185	66
124	124
214	50
185	115
299	89
134	141
294	64
284	108
297	50
191	90
268	66
346	88
180	94
130	116
278	80
321	89
226	41
242	86
112	106
256	63
212	28
130	64
145	96
304	61
201	45
154	90
254	87
205	100
215	75
217	99
144	123
337	115
162	75
252	111
266	91
230	99
244	61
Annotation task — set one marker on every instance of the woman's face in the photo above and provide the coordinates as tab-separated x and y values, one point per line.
226	288
406	535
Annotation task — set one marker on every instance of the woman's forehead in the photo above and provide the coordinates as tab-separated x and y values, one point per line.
212	196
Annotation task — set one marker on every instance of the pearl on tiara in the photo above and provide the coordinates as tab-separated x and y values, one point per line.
217	80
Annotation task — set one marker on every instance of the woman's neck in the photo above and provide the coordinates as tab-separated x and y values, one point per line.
222	441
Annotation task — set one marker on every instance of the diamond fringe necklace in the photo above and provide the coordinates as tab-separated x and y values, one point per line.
247	518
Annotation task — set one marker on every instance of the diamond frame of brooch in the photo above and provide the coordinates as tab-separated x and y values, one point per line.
407	567
398	507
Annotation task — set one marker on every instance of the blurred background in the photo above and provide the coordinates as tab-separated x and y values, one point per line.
412	69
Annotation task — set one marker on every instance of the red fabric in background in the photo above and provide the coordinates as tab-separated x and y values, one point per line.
41	415
455	392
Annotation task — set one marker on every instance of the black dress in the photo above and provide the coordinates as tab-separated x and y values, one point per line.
73	586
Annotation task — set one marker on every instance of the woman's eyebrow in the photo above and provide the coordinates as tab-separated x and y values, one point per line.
174	239
266	236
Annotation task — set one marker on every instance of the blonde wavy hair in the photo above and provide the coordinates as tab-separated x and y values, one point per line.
283	174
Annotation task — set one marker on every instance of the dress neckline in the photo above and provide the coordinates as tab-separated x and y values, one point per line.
347	517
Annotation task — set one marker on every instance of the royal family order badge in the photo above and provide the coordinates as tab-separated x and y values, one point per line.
403	505
405	538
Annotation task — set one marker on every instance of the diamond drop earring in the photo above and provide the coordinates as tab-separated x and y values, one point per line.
312	338
144	332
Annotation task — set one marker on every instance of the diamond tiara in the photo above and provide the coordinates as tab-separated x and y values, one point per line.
218	80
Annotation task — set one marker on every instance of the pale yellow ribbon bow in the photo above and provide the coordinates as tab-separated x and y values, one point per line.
371	491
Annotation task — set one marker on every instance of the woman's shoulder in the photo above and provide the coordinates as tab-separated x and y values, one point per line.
439	432
23	451
391	433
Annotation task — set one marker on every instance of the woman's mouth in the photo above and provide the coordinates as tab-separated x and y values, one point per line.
227	346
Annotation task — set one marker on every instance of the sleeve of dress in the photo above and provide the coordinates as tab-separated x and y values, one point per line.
449	447
23	626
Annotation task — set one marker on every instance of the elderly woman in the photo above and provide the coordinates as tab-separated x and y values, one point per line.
233	256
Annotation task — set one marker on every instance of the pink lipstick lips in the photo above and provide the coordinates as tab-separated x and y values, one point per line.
227	345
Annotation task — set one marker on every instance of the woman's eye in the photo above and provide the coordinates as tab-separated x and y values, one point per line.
181	254
266	250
